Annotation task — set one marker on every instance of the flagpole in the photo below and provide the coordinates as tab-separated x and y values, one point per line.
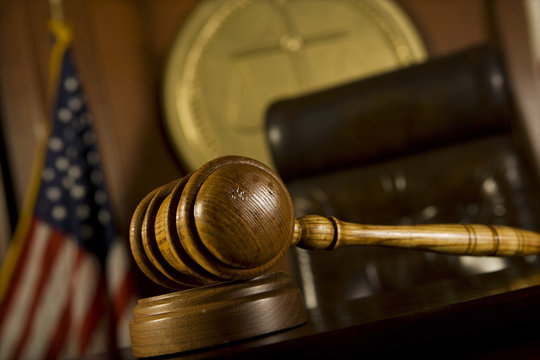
57	12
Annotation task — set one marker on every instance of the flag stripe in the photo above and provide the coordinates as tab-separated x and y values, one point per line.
64	327
50	253
117	265
17	314
60	334
121	286
93	315
122	295
89	275
122	330
18	273
99	341
53	298
124	303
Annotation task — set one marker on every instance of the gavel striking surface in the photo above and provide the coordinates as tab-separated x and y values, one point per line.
215	315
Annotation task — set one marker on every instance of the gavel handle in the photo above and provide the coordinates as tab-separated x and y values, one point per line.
322	233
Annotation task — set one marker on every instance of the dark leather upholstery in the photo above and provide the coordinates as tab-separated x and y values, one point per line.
474	169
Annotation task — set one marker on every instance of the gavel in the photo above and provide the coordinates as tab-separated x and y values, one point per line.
233	219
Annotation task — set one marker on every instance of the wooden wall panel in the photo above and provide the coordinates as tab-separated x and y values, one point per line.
120	65
516	41
448	26
115	66
23	76
120	48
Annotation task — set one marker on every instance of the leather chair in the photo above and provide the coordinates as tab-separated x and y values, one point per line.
438	142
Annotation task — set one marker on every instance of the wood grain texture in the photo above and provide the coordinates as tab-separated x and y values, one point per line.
137	246
212	217
322	233
230	219
215	315
448	26
120	48
157	250
233	219
163	247
168	242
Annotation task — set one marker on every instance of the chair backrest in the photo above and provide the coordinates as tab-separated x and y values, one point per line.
437	142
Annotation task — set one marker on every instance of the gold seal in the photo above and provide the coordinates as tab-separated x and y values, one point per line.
233	58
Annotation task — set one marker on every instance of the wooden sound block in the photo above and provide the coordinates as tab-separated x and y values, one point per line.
215	314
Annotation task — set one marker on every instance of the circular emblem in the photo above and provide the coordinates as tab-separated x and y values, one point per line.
233	58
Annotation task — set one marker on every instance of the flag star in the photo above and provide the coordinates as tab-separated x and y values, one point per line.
65	115
71	84
100	197
78	192
47	174
53	193
56	144
69	133
74	172
78	124
86	232
75	103
59	212
92	157
104	216
62	163
67	182
86	118
96	177
82	211
71	151
88	137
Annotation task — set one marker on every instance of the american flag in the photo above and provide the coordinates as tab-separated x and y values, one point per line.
69	290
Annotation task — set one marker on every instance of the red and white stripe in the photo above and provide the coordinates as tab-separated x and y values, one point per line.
120	281
56	305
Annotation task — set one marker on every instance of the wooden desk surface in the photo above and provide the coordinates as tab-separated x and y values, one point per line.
485	316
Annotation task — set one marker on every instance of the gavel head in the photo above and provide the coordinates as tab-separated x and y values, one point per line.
230	219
